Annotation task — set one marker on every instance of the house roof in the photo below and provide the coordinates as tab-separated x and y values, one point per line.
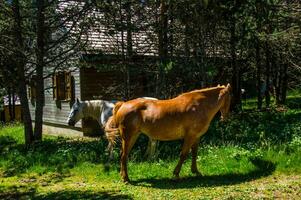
106	40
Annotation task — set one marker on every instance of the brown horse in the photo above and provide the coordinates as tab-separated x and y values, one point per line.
187	117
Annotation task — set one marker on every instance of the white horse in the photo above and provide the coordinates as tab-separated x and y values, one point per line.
101	111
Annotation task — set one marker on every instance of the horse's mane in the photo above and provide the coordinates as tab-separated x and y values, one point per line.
210	89
93	107
94	102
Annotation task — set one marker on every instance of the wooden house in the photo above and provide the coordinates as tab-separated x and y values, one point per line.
101	73
106	70
85	83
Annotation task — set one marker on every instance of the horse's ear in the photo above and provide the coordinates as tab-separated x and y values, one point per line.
229	87
77	101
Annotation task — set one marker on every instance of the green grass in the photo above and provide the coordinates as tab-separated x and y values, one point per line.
254	155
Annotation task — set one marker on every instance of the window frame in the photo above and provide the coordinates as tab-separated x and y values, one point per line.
63	86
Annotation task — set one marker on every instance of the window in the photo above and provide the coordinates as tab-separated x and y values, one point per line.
63	86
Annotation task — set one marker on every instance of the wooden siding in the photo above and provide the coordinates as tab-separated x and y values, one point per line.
107	85
110	84
56	112
89	84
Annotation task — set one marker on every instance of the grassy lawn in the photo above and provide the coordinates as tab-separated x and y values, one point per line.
255	155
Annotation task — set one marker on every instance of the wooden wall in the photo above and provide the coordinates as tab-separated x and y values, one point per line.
107	85
89	84
56	112
111	84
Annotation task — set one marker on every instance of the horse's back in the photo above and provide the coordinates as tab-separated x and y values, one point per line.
152	109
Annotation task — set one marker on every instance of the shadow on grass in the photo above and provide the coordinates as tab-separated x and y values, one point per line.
5	142
263	168
77	194
30	193
16	192
294	102
53	155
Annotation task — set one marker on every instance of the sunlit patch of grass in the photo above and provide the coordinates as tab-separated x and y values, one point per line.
287	160
253	155
228	172
11	133
249	104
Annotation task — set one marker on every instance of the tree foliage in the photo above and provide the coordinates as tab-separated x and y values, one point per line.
39	38
190	44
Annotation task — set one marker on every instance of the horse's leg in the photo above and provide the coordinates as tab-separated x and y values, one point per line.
188	142
111	153
109	149
194	154
151	148
148	149
128	141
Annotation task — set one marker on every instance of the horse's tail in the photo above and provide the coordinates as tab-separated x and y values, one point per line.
111	127
111	131
116	107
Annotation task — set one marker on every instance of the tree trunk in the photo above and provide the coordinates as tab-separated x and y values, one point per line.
123	53
129	41
39	71
10	110
20	63
199	57
129	45
171	29
276	77
236	102
186	46
283	84
28	132
284	75
14	103
163	49
258	76
267	76
163	37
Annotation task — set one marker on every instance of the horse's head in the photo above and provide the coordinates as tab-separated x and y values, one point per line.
225	98
76	113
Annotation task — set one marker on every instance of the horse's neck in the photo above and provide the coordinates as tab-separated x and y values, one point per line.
213	103
92	109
